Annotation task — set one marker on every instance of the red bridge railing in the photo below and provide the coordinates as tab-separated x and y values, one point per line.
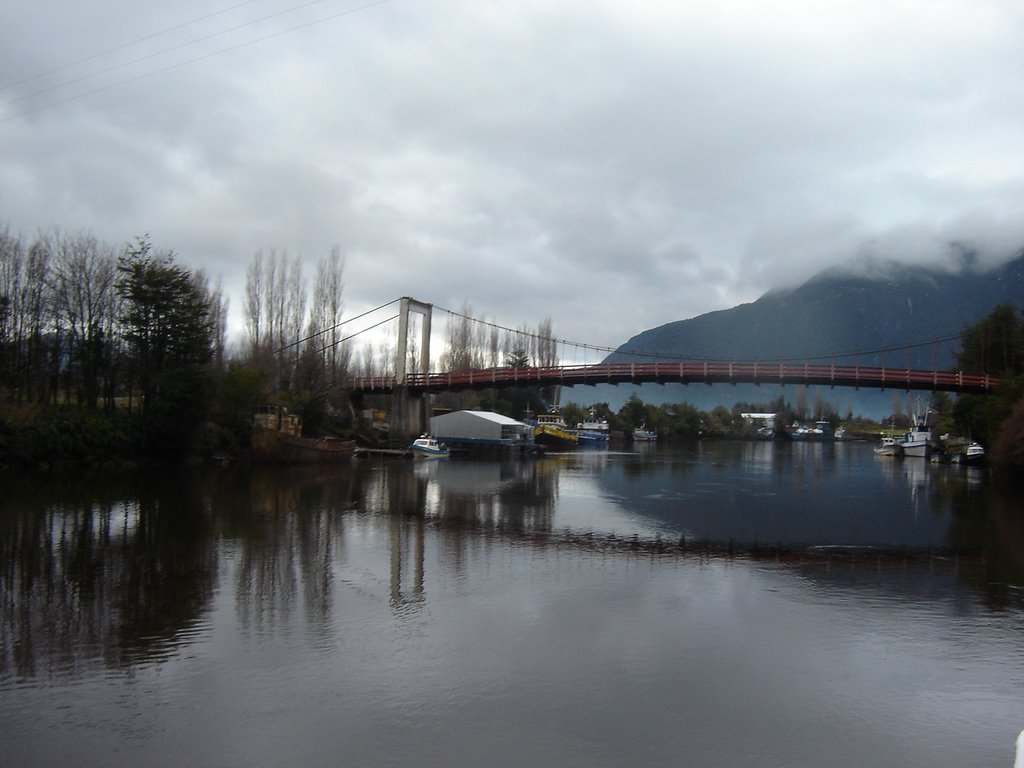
686	373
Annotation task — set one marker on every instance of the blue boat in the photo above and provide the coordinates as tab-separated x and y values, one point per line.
593	432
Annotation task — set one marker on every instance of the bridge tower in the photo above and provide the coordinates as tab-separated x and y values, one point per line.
409	416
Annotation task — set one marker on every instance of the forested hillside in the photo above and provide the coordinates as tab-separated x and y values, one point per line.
834	313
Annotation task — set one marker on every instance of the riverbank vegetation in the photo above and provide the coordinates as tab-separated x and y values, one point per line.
995	345
120	353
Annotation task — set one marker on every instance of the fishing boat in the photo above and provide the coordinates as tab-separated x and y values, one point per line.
427	447
550	429
593	432
277	439
917	441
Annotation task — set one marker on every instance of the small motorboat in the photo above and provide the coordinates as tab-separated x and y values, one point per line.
974	454
890	446
427	447
644	435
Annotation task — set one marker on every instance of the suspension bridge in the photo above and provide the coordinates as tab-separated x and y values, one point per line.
681	373
410	376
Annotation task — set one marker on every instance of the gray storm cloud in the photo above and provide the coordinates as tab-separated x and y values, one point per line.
533	160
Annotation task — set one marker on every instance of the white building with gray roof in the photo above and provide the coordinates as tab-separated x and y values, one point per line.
483	428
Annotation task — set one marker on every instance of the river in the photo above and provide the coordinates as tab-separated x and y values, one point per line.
716	604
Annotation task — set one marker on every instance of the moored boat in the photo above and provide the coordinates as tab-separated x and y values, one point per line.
550	429
973	455
427	447
588	438
917	441
277	439
593	432
890	446
822	430
644	435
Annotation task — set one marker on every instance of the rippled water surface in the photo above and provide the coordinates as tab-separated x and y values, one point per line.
724	604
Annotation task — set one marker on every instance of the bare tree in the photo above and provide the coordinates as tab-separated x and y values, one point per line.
12	273
318	327
324	334
339	351
294	313
254	290
479	345
547	346
275	299
412	358
218	312
278	312
800	401
368	366
458	354
36	318
83	280
494	347
386	365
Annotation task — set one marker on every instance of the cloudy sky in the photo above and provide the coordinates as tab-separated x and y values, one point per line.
610	165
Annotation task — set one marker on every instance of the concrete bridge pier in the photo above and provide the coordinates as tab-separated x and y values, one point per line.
409	416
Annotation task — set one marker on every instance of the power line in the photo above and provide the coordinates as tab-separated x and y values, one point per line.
177	65
161	52
123	46
338	325
703	358
528	334
369	328
630	353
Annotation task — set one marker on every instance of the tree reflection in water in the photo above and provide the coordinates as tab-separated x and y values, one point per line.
109	570
118	570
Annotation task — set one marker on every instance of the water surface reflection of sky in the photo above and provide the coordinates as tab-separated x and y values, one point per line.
476	613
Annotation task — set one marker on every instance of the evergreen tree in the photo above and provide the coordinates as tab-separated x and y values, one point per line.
993	345
167	325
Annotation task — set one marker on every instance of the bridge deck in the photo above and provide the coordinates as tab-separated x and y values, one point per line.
686	373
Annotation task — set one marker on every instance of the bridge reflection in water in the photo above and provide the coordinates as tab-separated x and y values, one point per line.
623	604
124	569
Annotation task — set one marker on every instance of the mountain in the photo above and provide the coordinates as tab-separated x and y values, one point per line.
830	318
833	313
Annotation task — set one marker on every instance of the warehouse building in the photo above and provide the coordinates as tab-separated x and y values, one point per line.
481	428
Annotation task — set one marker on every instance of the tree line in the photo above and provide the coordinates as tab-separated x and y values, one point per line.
82	323
131	333
995	345
128	329
86	325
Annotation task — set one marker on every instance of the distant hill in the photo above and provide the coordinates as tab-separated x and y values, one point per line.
830	314
834	313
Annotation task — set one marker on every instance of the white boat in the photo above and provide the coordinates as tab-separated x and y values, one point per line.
822	430
643	435
890	446
974	454
427	447
917	441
